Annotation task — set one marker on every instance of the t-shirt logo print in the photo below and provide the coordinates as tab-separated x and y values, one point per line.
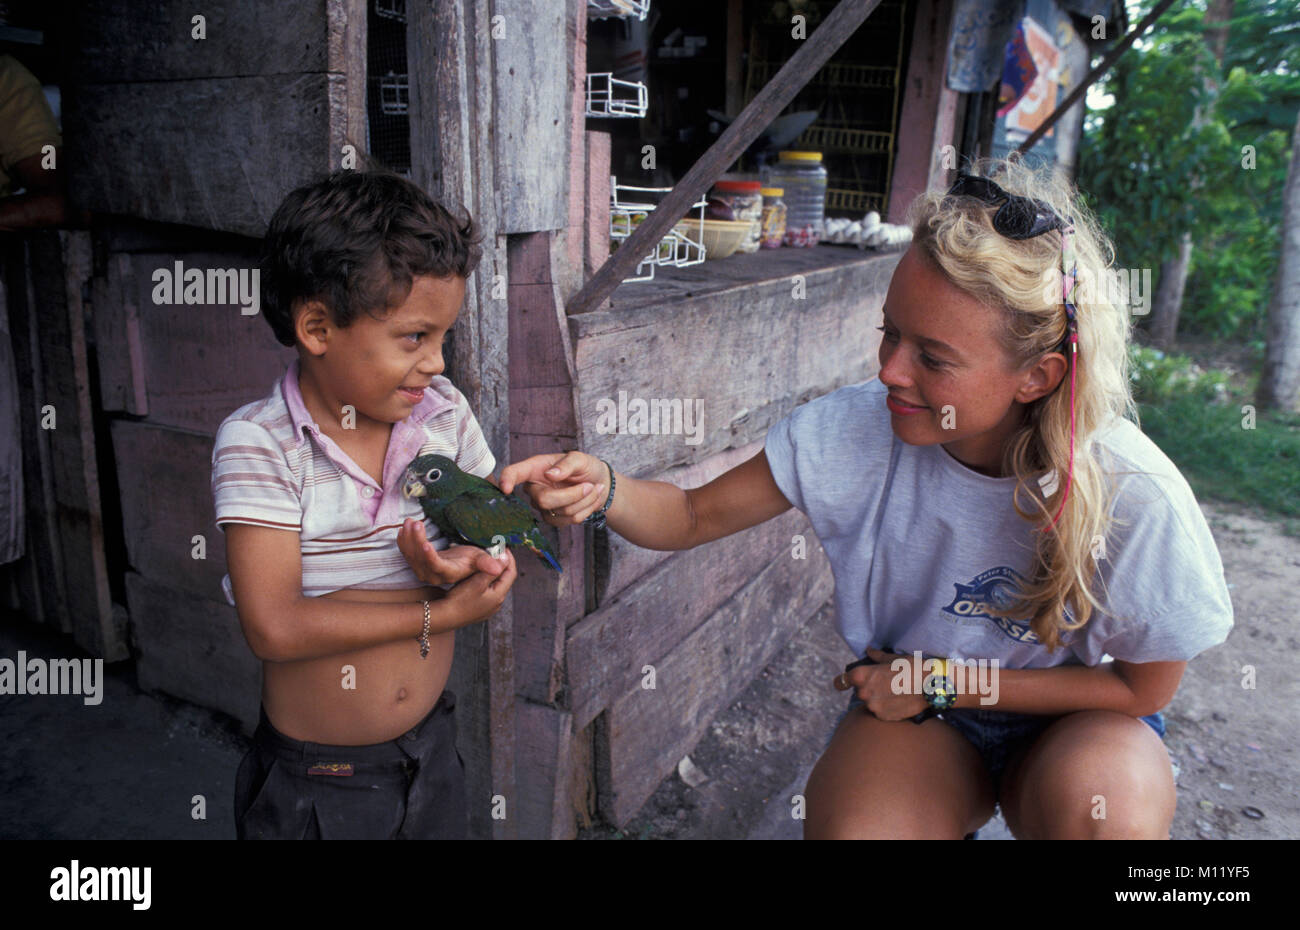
993	588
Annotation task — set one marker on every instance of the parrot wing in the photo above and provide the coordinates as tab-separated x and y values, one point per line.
478	517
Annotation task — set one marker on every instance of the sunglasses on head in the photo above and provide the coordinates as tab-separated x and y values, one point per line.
1017	217
1024	218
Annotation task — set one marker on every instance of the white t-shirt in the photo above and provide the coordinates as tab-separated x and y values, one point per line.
920	544
272	466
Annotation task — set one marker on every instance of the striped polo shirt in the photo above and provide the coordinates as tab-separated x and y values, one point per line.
273	467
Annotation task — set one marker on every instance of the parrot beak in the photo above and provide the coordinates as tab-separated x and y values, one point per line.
413	487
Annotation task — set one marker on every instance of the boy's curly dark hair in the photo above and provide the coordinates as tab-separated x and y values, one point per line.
355	240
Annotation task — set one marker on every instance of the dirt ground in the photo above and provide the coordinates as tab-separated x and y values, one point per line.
1233	748
131	767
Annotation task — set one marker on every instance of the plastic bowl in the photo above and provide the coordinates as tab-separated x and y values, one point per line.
721	237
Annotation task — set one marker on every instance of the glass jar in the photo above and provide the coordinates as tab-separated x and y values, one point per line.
746	203
773	222
803	176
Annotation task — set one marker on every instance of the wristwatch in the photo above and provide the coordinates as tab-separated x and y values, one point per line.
940	692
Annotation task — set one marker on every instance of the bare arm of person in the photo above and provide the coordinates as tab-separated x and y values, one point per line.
282	625
569	487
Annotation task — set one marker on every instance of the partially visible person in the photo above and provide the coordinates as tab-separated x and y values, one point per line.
27	126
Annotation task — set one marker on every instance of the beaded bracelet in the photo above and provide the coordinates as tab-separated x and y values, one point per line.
597	519
424	634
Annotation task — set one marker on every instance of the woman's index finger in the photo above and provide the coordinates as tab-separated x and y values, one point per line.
532	468
564	467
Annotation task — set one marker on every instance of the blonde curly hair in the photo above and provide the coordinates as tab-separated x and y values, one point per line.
1022	278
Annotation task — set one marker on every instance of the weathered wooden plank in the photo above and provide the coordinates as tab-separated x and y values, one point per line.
119	40
40	571
736	271
607	649
546	602
118	348
116	233
926	123
544	411
531	107
544	803
165	477
61	265
597	202
218	172
629	562
539	358
646	732
744	357
186	350
449	51
346	23
193	648
833	31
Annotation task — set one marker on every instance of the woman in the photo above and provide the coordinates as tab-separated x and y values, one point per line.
984	499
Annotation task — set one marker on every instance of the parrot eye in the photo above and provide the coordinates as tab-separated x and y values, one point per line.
433	475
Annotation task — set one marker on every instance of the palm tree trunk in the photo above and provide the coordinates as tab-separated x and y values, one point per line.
1279	383
1168	302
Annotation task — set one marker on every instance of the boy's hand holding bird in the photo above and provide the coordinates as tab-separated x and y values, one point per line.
448	566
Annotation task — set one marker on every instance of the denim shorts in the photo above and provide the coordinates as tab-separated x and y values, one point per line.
997	734
412	787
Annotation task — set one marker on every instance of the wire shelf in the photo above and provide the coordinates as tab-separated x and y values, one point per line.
394	97
676	248
605	9
837	74
853	201
841	139
391	9
607	96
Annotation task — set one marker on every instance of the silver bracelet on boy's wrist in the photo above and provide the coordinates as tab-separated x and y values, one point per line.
424	634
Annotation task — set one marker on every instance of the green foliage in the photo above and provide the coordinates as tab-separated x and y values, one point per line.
1159	377
1198	419
1153	172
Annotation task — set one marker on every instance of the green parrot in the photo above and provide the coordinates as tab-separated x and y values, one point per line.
465	507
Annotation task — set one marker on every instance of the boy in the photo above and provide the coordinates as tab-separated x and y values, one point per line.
330	569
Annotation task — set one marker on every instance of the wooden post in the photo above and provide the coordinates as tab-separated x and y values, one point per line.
450	51
929	110
771	100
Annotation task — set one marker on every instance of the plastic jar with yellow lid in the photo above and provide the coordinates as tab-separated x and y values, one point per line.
803	177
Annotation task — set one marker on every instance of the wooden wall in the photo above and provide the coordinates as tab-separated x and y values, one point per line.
168	376
176	140
62	578
212	131
786	327
552	713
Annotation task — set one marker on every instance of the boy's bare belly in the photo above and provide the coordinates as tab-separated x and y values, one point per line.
394	687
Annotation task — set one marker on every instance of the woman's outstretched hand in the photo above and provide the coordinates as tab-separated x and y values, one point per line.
876	689
567	487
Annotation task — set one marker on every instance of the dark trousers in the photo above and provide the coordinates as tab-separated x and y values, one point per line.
412	787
